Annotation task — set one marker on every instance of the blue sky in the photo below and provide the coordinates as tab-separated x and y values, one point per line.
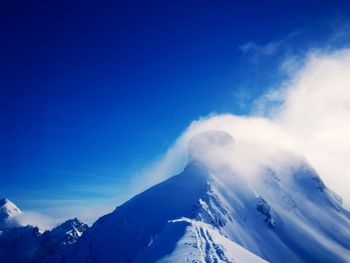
92	92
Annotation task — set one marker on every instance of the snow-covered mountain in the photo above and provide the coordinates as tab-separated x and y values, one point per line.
59	239
233	202
28	244
8	210
68	232
216	211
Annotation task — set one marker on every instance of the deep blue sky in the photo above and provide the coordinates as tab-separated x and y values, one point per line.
92	91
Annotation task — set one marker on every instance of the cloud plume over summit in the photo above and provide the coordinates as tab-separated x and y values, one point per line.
309	114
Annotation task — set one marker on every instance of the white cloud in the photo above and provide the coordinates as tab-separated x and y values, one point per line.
316	112
34	219
312	117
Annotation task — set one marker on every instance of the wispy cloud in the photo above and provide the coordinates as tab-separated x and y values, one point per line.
270	48
267	49
43	222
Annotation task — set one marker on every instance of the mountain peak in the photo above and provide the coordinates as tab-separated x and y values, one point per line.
3	201
206	141
7	209
70	223
69	231
211	210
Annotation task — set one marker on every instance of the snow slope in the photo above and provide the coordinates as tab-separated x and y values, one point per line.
199	242
222	209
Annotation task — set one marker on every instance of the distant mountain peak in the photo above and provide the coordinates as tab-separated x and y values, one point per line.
7	209
3	201
72	222
69	231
